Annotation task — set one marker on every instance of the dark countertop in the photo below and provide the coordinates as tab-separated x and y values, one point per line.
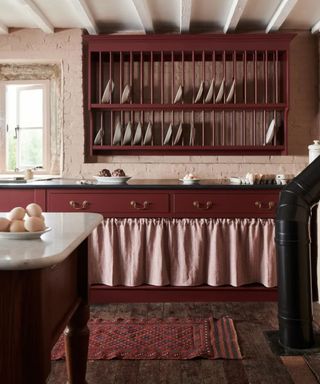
136	184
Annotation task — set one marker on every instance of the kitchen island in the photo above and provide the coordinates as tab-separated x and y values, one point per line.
44	288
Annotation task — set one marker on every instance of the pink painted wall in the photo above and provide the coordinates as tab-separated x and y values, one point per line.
65	47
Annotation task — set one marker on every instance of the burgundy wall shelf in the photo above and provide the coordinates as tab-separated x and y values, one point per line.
207	94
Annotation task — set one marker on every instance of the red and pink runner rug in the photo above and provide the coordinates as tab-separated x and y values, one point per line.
170	338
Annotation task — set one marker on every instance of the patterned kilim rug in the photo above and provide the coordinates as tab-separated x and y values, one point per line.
171	338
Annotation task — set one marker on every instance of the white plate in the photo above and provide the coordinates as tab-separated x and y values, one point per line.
178	97
23	235
138	135
200	91
178	135
126	94
190	181
106	97
235	180
127	134
192	134
117	135
220	92
210	92
148	135
168	135
112	179
99	137
270	131
231	92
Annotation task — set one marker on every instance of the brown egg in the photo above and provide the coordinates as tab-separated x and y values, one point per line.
17	226
4	224
34	224
16	213
34	209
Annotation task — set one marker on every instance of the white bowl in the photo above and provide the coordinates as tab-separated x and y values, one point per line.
112	179
190	181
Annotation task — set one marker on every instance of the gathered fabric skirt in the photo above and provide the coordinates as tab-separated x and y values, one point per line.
183	252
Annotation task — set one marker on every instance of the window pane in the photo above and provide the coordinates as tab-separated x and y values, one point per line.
30	107
30	148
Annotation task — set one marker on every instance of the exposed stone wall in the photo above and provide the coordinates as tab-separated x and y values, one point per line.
65	47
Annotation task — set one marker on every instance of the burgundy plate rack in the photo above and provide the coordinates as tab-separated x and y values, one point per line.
188	94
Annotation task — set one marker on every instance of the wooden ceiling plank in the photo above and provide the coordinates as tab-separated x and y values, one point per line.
3	28
185	15
143	12
38	17
85	16
316	27
234	15
281	13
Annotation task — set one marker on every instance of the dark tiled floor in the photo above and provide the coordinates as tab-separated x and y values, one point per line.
252	320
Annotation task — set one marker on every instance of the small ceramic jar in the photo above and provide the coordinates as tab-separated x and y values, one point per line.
314	150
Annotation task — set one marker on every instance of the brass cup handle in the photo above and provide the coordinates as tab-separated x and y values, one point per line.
269	205
207	205
79	206
140	206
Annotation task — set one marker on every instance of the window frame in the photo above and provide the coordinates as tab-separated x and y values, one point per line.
45	85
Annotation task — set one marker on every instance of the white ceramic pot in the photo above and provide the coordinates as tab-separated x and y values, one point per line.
314	150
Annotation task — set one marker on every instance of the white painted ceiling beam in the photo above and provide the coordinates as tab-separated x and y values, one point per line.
85	16
235	12
316	27
3	28
185	15
37	16
280	15
143	12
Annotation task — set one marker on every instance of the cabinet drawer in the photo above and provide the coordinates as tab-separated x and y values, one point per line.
110	204
226	204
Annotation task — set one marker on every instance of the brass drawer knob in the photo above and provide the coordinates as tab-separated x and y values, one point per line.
265	205
140	206
79	206
207	205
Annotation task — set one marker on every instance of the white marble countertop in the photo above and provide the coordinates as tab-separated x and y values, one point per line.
68	231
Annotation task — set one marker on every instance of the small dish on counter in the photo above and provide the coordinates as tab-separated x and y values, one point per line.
23	235
190	181
235	180
112	179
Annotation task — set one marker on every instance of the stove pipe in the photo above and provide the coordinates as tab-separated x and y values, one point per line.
293	257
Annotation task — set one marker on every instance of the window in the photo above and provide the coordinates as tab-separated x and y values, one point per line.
26	111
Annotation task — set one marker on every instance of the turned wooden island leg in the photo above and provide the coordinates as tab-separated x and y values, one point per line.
76	337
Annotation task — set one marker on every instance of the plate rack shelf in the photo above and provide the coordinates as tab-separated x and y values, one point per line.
188	94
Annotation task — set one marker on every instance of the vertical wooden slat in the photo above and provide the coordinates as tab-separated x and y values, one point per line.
162	122
254	127
234	57
214	96
162	78
151	77
193	77
203	114
141	77
121	73
245	77
182	73
110	72
131	77
172	77
111	127
255	78
100	79
277	78
266	76
101	123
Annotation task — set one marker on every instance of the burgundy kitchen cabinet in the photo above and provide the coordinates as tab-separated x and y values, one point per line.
194	94
13	197
168	203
